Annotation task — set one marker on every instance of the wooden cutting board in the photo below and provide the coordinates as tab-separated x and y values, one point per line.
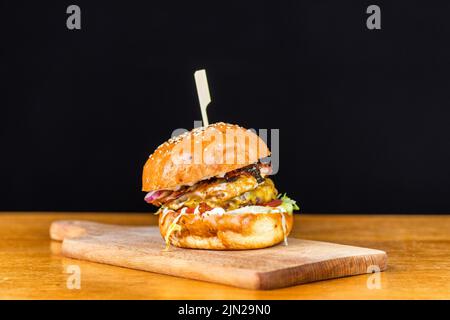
141	248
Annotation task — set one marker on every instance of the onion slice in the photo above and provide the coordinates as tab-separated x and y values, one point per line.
154	195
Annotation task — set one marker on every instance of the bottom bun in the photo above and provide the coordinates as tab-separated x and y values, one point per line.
226	231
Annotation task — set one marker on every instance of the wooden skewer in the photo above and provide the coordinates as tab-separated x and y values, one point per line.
203	93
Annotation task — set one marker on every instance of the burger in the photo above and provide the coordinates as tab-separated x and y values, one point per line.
213	191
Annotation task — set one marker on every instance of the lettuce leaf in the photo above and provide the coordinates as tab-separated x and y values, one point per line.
288	204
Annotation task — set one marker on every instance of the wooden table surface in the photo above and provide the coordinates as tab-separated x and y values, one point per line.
418	248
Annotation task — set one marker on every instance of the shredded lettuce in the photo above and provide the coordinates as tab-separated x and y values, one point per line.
172	228
288	204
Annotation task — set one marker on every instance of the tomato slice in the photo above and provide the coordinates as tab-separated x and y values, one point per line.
190	210
274	203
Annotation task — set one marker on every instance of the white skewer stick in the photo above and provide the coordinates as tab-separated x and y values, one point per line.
203	93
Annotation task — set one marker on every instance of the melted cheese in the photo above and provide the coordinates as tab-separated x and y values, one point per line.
216	193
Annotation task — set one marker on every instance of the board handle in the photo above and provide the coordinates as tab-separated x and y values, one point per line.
69	229
66	229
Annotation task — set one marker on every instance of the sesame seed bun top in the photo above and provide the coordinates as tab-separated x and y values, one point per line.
200	154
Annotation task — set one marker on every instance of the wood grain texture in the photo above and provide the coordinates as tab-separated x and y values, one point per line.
418	246
279	266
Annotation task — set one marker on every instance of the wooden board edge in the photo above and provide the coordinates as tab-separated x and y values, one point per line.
61	229
247	279
361	264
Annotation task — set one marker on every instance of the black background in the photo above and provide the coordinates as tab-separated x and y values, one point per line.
363	115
